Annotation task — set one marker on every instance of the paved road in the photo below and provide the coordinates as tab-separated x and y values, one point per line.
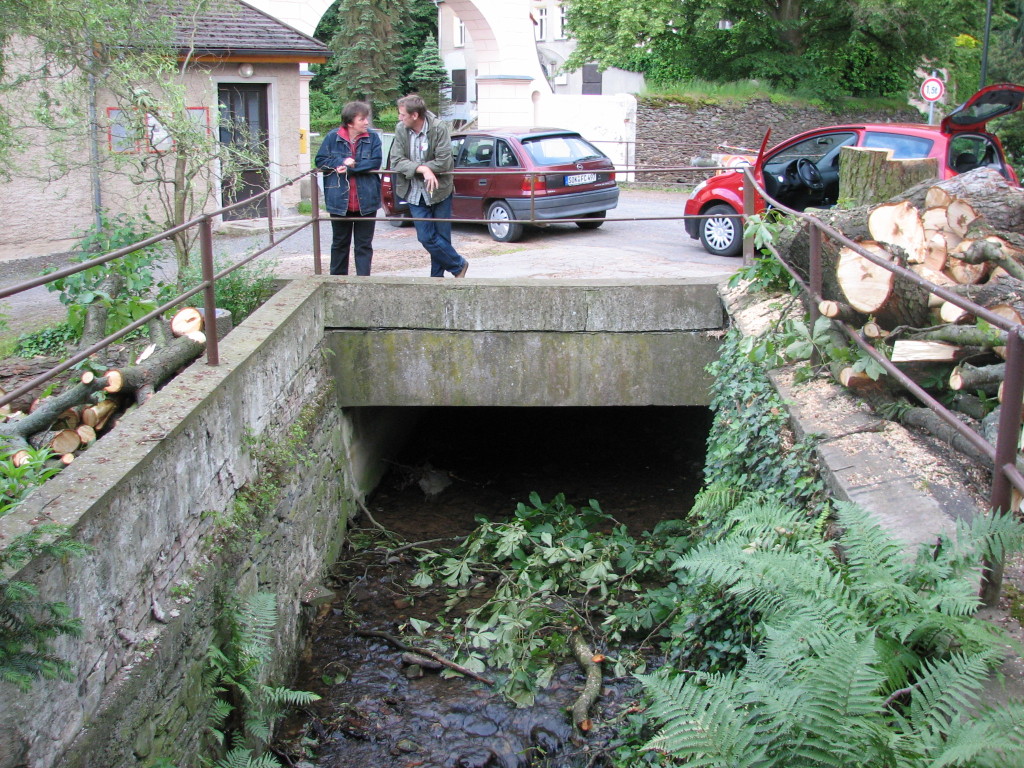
619	249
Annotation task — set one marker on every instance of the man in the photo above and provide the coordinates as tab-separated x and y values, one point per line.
421	165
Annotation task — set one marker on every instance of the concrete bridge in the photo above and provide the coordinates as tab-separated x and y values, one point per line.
311	391
320	373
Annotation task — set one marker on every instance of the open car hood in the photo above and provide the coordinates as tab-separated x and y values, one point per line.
988	103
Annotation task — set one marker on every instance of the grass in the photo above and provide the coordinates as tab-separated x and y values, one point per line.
697	92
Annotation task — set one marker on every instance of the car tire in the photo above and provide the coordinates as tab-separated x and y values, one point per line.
599	216
504	230
721	233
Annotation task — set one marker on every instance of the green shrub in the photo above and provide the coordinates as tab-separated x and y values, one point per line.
242	291
53	341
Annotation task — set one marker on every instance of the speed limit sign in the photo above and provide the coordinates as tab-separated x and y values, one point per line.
932	89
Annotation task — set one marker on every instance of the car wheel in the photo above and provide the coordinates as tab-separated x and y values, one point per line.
592	224
503	227
401	220
721	233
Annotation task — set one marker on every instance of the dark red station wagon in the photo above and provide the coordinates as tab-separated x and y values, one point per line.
803	171
575	180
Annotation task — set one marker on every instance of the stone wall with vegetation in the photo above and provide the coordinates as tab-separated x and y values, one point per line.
231	479
672	135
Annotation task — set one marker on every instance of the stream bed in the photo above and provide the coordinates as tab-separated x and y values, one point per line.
382	708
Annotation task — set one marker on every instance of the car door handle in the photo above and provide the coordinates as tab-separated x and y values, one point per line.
482	182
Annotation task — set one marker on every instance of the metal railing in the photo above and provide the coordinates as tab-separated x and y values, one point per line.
1006	475
1003	455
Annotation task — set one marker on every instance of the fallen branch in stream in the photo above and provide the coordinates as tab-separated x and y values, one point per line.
592	687
424	652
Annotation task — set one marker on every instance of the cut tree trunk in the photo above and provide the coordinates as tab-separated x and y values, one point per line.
989	195
874	290
873	176
19	431
142	379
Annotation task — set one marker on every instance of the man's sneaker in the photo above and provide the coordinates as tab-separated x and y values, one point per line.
465	269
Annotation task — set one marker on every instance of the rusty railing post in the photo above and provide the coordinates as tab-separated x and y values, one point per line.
270	216
209	299
814	277
748	210
1006	454
314	200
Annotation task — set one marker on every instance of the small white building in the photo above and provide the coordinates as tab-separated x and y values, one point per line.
545	19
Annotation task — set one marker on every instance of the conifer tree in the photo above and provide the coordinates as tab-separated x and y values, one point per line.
365	65
430	77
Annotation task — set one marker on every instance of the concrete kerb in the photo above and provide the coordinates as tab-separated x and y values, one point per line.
860	461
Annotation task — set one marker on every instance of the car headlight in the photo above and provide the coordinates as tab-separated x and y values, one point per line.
698	188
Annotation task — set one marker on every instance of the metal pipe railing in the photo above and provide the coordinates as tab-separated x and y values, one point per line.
1006	476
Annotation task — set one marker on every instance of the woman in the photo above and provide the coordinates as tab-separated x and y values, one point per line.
348	156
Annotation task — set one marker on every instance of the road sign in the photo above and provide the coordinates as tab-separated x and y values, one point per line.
932	89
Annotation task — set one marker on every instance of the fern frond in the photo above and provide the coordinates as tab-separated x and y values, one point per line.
242	758
946	689
714	501
286	697
704	727
258	620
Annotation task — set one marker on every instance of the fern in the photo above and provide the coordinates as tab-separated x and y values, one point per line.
865	658
245	709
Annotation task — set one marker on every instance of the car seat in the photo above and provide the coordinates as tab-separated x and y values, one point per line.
965	162
482	155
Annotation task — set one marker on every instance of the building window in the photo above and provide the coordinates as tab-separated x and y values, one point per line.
591	80
460	33
540	28
560	24
132	132
459	91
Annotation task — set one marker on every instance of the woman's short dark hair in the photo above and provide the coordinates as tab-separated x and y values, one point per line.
352	110
414	104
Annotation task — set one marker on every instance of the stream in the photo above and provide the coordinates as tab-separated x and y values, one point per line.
642	465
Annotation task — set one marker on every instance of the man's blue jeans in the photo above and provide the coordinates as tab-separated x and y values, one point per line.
436	237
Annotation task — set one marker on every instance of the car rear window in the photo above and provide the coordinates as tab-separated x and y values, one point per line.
557	150
903	147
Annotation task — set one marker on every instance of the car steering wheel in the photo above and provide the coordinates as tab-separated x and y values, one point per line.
809	174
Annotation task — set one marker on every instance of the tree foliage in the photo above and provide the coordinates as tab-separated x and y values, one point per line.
364	65
430	77
835	47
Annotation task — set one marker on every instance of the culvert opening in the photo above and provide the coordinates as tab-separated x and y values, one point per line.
379	707
642	464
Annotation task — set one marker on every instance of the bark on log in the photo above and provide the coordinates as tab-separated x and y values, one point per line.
19	431
142	380
591	688
872	175
988	193
968	377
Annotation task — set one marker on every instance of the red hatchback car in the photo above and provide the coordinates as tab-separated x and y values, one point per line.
493	180
803	171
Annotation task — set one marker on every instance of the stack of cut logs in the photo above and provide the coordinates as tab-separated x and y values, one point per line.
69	422
964	234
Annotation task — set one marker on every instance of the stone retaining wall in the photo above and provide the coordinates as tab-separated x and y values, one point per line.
672	135
152	499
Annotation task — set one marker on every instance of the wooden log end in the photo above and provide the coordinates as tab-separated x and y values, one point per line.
21	458
65	441
186	320
115	380
67	458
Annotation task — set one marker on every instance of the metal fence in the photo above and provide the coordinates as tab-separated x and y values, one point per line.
1006	474
1003	455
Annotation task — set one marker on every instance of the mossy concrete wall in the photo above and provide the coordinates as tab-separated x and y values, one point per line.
152	499
524	343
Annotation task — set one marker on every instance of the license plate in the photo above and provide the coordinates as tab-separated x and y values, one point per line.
580	178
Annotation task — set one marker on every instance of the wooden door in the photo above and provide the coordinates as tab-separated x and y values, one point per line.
243	126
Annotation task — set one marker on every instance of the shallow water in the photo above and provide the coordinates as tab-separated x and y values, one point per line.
642	465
